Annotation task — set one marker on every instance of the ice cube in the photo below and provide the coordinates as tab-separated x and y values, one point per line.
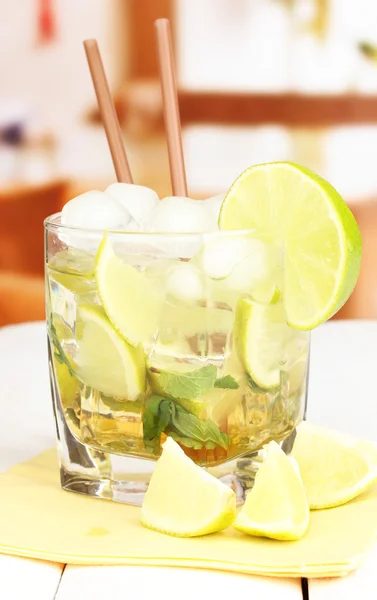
220	255
239	263
214	204
251	271
93	210
137	199
180	215
185	282
133	226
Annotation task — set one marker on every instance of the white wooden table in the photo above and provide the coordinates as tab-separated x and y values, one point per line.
342	395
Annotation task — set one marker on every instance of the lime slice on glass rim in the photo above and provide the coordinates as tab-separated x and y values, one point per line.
276	507
131	301
321	238
183	499
105	361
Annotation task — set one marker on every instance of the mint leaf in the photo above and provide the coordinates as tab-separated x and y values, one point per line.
228	383
193	384
163	415
190	426
156	418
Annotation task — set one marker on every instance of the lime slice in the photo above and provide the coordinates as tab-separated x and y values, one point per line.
321	238
132	301
104	360
276	507
335	467
263	340
184	500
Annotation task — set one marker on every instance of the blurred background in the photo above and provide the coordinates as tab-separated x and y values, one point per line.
259	80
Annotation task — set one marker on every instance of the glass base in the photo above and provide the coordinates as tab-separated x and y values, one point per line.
88	471
85	470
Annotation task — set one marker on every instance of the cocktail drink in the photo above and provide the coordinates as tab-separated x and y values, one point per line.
187	319
157	334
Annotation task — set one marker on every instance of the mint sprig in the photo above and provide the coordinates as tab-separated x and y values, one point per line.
155	419
204	431
164	415
227	382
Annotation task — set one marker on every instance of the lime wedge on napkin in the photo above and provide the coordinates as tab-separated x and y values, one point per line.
335	467
184	500
276	507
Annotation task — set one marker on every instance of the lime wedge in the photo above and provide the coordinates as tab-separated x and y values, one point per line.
104	360
321	238
335	467
184	500
132	301
263	340
276	507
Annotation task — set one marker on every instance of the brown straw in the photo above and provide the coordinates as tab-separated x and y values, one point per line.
108	113
171	108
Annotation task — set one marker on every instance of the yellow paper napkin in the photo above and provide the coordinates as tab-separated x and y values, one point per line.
39	520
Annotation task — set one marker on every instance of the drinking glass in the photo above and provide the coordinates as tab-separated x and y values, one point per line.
189	340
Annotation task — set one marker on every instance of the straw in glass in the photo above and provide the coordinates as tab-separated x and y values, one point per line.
170	107
107	111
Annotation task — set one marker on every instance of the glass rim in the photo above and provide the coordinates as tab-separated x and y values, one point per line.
51	224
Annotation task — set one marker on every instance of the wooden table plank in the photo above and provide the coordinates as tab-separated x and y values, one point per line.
140	583
25	579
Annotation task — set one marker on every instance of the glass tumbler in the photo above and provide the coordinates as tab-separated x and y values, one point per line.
153	335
